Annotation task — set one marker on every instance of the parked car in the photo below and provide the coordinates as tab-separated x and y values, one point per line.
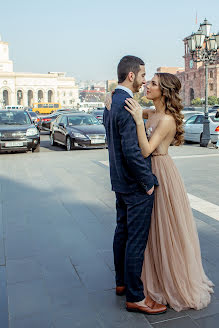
35	119
67	110
98	113
78	130
188	114
17	131
194	128
45	120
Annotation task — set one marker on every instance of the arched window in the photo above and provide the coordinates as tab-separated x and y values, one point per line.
30	98
19	97
5	98
40	96
50	96
211	74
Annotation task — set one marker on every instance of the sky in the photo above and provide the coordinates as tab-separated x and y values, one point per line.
87	38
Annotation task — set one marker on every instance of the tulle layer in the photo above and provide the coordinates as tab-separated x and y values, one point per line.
172	270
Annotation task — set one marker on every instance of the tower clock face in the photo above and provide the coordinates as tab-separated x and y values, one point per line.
191	63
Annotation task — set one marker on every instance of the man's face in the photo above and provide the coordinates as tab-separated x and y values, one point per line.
139	79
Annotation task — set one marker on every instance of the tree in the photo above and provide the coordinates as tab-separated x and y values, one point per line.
196	102
212	100
144	101
112	87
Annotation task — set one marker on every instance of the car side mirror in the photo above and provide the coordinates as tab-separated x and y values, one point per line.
62	125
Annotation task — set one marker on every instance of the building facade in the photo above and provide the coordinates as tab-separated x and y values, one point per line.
193	78
27	88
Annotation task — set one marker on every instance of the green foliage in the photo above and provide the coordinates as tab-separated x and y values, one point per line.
112	87
212	100
142	100
196	102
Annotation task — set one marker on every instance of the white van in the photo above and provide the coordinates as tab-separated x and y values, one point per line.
14	107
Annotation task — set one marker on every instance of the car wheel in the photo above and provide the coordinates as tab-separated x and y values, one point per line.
68	144
37	149
52	142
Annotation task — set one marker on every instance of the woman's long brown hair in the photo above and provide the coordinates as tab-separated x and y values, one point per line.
170	87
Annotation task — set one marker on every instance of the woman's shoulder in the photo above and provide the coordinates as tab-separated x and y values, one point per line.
168	117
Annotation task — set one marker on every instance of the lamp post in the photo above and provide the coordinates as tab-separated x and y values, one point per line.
203	48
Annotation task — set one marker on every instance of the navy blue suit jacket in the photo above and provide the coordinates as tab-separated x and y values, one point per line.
129	170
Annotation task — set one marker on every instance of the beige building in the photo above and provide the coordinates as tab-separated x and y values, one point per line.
171	70
27	88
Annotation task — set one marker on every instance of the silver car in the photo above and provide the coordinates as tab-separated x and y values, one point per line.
194	128
188	114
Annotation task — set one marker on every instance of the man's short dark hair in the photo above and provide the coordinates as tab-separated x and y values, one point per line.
128	64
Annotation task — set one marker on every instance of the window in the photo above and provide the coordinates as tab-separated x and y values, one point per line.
70	94
63	102
64	120
194	75
200	119
211	86
187	76
191	120
58	119
211	74
63	94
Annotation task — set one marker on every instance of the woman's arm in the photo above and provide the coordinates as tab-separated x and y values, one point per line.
147	147
162	129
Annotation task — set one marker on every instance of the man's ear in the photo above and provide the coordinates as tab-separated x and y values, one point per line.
131	76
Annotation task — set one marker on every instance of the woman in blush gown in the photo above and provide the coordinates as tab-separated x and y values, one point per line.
172	271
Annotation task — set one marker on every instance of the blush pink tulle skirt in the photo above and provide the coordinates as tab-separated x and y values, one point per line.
172	270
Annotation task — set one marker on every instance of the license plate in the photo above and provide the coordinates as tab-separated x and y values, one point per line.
98	141
14	144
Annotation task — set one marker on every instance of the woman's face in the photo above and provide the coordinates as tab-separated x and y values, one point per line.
153	89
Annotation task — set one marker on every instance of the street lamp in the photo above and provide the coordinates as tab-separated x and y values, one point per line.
203	48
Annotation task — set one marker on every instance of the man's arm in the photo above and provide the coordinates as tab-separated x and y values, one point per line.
132	151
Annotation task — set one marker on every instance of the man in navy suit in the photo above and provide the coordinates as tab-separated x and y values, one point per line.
133	182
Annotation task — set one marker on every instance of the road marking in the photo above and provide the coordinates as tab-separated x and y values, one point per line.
204	206
195	156
196	203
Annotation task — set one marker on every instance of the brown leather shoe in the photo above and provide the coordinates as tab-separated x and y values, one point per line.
120	290
151	307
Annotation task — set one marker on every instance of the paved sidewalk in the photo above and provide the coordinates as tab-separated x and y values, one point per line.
57	220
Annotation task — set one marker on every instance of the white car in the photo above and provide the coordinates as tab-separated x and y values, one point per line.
188	114
194	127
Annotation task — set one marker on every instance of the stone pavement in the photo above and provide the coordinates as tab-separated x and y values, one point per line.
57	220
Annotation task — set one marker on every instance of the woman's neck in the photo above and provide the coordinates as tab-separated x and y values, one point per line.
159	105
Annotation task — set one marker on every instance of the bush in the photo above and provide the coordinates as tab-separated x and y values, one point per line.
196	102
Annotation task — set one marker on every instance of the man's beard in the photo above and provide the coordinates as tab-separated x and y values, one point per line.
136	85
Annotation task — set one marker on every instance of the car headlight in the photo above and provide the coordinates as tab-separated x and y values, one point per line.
79	135
31	132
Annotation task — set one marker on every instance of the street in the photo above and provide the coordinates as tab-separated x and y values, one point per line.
57	219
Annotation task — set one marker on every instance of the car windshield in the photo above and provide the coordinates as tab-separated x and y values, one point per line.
32	114
14	118
82	120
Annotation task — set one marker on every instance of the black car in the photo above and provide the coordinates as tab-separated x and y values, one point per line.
98	113
45	120
17	131
75	130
